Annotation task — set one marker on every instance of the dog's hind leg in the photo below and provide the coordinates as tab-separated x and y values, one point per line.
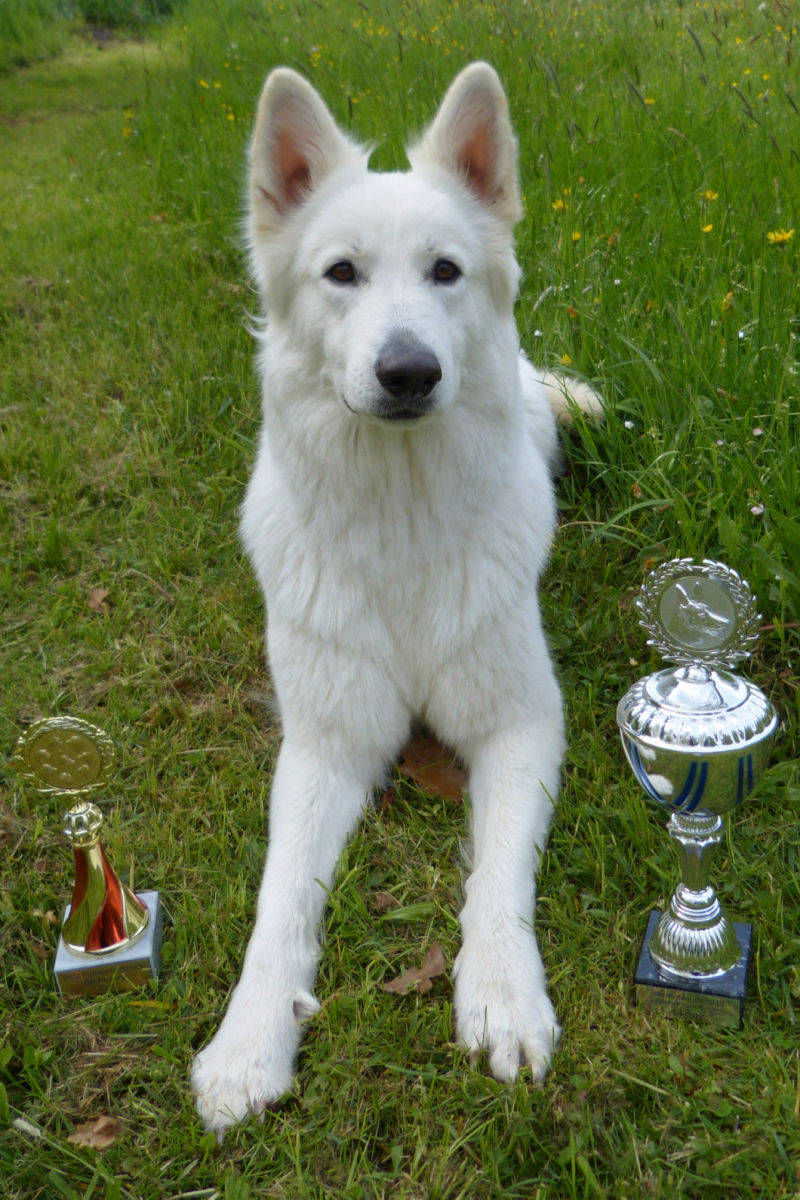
315	804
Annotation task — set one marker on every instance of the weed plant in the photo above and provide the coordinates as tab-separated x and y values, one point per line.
660	151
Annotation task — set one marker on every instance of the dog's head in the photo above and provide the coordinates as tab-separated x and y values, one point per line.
384	281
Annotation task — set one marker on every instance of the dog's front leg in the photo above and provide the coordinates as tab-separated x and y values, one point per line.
501	1000
314	806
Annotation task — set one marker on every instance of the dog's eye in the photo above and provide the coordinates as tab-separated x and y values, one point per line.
445	271
341	272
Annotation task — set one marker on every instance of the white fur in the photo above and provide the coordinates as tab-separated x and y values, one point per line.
399	560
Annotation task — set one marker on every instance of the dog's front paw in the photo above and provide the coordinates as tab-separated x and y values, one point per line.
248	1065
502	1008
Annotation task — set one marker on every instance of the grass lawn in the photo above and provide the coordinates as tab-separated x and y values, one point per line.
660	159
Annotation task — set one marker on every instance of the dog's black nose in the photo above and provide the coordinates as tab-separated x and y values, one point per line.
408	371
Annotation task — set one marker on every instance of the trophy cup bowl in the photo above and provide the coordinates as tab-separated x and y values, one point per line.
697	738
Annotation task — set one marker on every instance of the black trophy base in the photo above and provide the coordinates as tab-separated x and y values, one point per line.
116	970
719	1002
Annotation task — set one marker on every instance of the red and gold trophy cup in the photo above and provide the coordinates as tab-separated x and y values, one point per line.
110	938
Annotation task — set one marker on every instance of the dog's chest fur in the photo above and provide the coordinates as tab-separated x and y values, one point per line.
404	543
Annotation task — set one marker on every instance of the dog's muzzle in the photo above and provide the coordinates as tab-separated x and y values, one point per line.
408	372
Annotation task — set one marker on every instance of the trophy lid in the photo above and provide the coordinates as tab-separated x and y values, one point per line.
703	617
65	755
698	613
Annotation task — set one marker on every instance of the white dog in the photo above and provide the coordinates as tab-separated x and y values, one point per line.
398	518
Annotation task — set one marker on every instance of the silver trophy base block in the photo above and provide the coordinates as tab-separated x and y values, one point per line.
116	970
715	1001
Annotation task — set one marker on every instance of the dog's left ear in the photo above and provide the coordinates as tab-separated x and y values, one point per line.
471	136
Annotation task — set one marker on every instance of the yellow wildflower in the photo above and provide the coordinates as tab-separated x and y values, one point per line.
565	360
779	237
707	228
576	236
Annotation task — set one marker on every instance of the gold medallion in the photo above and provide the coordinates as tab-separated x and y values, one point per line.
65	756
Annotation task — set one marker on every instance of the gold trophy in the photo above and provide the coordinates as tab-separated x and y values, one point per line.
110	938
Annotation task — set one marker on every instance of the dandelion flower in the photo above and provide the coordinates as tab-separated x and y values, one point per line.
558	204
779	237
707	228
565	360
576	235
709	195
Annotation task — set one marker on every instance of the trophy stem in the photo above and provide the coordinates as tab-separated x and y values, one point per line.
694	939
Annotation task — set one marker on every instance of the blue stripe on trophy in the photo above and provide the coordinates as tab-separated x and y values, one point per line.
743	788
697	795
683	794
639	771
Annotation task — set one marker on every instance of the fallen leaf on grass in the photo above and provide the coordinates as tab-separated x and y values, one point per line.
418	977
387	799
434	768
383	900
98	599
98	1134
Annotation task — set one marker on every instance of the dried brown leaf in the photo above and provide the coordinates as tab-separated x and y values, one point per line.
432	767
48	918
98	1134
98	599
418	977
381	901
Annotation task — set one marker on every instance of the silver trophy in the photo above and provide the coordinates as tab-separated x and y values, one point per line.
697	738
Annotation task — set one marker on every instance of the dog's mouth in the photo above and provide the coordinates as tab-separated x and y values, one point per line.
393	413
387	412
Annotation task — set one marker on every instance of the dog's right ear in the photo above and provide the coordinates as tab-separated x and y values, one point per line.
471	137
295	144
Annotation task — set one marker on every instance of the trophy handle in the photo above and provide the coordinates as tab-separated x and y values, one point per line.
694	939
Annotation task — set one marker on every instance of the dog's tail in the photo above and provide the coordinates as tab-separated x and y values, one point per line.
565	395
551	399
